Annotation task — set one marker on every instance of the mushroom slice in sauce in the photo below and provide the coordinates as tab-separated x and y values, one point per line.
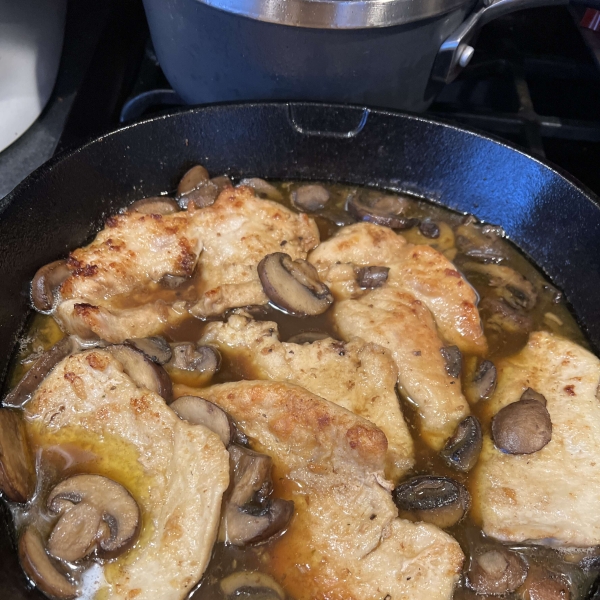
453	358
46	282
484	381
193	365
262	188
23	391
437	500
156	205
142	370
193	178
17	472
382	209
308	337
96	514
495	570
293	285
501	317
40	568
199	411
481	242
251	515
531	394
542	584
522	427
155	348
371	277
310	198
430	229
462	449
512	287
251	584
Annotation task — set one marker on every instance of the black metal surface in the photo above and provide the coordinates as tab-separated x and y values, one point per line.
62	204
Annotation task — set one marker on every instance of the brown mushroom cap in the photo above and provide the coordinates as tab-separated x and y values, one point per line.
192	364
495	570
484	381
251	515
453	358
40	569
437	500
23	391
262	188
481	242
310	197
156	348
463	448
17	471
381	208
522	427
429	229
192	179
199	411
531	394
45	284
293	285
371	277
542	584
155	205
96	514
142	370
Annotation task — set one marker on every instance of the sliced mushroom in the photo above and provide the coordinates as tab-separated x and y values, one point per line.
430	229
262	188
251	515
17	471
193	365
371	277
453	358
156	205
337	217
194	178
522	427
481	242
462	449
46	283
23	391
501	317
543	584
172	282
444	242
293	285
308	337
495	570
41	570
511	286
96	514
202	412
251	584
142	371
155	348
484	381
311	197
381	209
221	182
437	500
530	394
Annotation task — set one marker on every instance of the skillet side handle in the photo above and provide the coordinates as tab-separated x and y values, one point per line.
455	52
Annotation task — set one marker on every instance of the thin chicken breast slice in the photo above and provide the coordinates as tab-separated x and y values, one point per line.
345	540
238	231
358	376
553	495
177	472
418	270
401	324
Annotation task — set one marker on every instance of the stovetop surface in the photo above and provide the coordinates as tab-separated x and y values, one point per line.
533	82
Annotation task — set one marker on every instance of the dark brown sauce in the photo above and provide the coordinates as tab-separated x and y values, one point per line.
548	314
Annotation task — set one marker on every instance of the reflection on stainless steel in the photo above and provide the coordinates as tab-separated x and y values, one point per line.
337	14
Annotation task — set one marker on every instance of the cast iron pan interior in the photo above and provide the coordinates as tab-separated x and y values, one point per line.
64	202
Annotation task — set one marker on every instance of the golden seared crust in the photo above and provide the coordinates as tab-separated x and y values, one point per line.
553	495
345	540
132	251
238	231
358	376
403	325
418	270
177	472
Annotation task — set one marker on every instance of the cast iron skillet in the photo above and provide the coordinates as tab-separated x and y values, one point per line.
64	202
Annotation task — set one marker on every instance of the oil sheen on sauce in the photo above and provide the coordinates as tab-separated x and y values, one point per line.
550	313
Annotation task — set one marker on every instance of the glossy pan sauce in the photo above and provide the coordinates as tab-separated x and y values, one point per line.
550	313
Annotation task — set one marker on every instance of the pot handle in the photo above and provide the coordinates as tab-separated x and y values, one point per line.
455	52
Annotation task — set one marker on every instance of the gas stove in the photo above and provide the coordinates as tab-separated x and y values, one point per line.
534	82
